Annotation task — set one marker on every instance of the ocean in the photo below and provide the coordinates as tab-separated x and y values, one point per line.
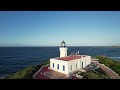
13	59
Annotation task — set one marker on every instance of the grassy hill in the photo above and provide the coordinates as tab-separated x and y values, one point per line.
26	73
114	65
95	74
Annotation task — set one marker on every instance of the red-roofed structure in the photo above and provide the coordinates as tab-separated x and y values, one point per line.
41	74
63	66
71	57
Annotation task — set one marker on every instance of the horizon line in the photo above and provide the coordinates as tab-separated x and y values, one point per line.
59	46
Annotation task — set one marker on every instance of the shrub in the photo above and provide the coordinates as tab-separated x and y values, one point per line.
26	73
114	65
91	75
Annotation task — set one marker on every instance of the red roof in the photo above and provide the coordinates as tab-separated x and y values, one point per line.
41	75
71	57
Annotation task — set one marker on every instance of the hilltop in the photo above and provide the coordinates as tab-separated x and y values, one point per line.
28	72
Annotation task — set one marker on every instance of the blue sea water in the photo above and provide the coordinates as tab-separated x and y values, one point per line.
13	59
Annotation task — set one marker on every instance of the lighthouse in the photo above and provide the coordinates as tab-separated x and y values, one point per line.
63	49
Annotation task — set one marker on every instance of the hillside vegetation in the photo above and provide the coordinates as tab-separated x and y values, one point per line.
98	73
26	73
114	65
95	74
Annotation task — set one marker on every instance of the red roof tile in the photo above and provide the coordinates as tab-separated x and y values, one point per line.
41	75
71	57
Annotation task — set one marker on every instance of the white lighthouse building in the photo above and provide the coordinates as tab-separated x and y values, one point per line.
63	49
69	64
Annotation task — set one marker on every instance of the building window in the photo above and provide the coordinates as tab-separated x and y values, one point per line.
71	67
63	68
76	65
82	64
58	66
53	65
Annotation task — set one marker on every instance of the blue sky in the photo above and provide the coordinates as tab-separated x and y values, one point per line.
49	28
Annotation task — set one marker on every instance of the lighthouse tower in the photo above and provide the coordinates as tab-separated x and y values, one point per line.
63	49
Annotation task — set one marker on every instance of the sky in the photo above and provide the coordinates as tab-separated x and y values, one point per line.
50	28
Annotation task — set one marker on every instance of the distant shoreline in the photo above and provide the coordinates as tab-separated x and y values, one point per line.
55	46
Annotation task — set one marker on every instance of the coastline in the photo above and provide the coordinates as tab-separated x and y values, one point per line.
11	76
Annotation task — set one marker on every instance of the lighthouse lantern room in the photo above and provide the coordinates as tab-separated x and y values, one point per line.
63	49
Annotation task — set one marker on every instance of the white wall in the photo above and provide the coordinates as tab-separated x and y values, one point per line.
61	63
73	63
86	61
63	51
